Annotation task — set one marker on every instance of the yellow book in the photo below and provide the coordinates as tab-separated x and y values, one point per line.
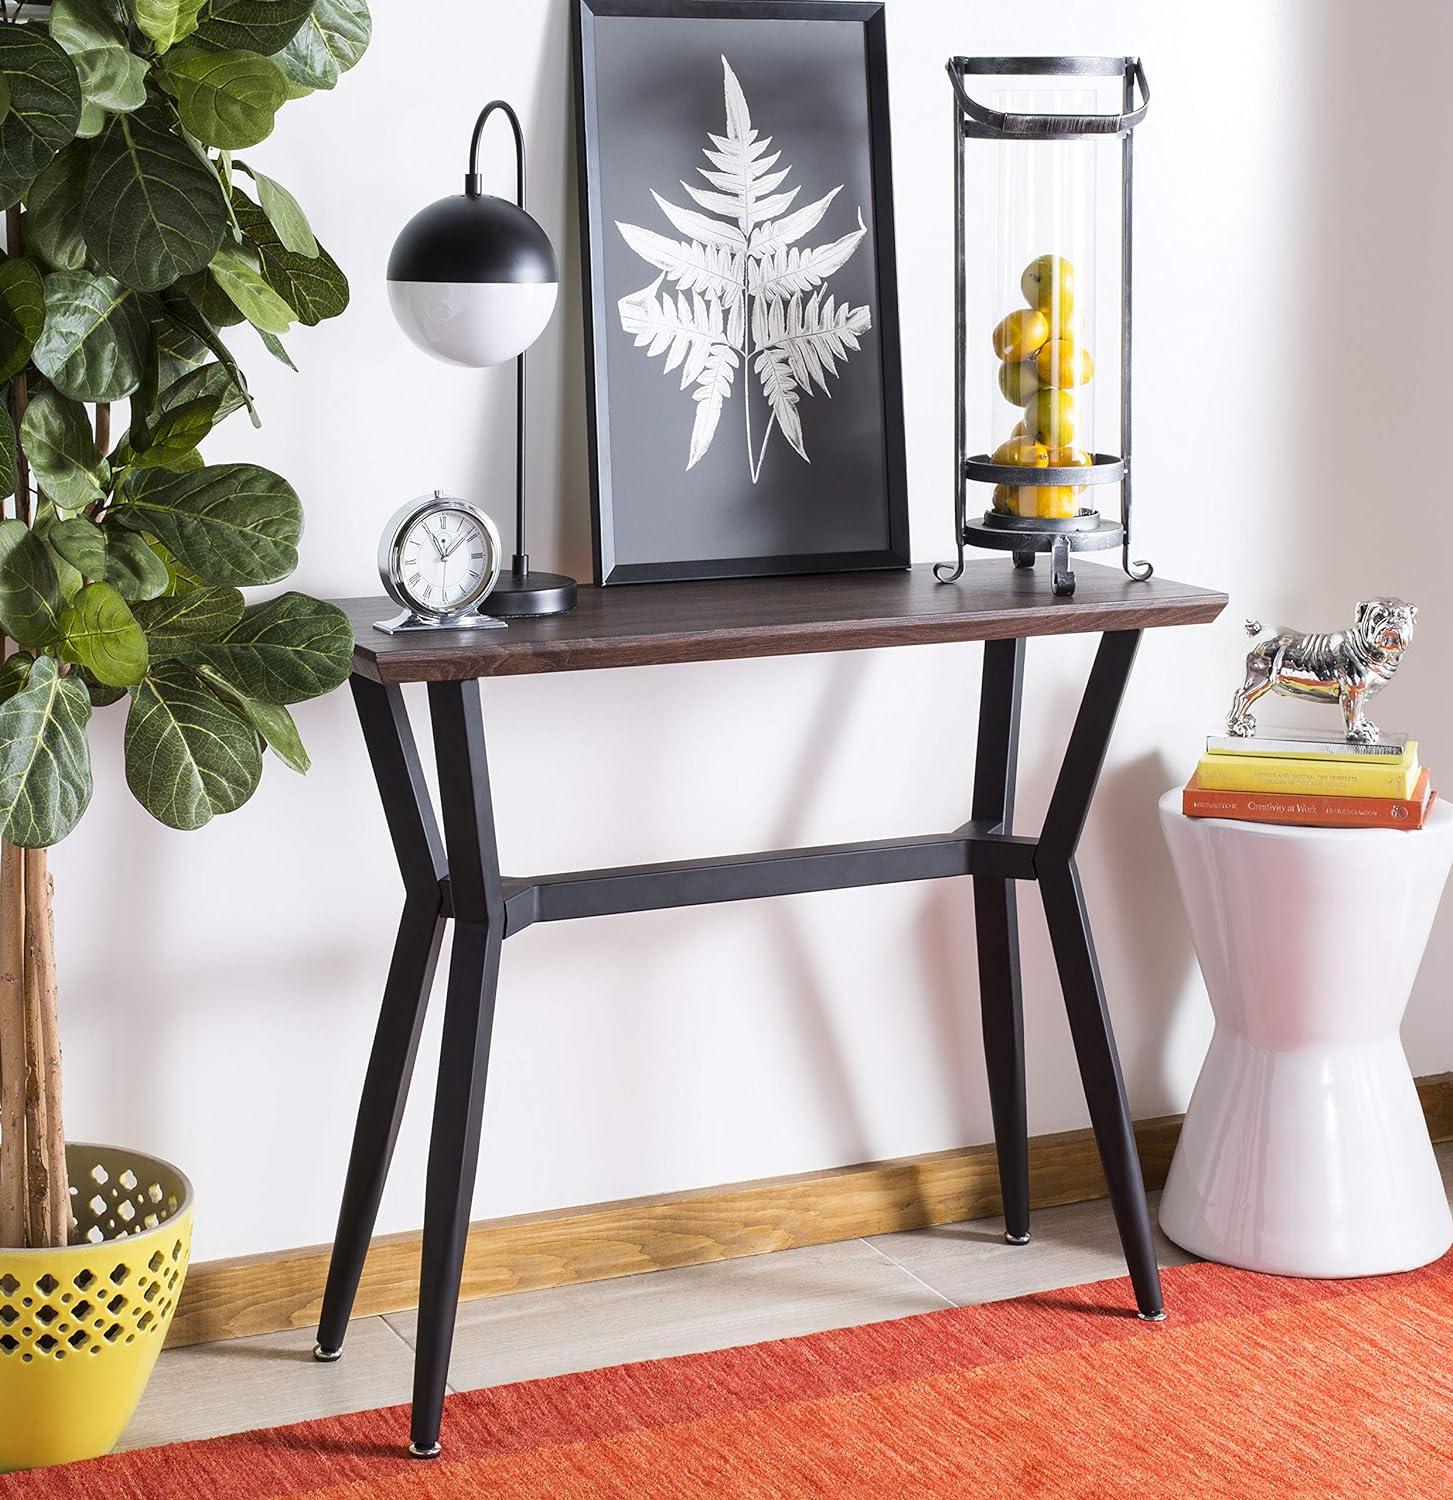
1322	778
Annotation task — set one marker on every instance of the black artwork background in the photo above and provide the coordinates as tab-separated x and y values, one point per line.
657	93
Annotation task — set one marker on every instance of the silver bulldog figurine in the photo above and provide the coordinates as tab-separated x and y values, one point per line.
1346	667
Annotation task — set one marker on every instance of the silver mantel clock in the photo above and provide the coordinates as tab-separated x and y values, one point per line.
439	558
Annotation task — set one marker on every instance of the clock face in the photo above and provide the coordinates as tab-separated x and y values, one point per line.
446	560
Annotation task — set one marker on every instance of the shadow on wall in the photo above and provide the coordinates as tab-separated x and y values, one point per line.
948	963
841	689
1131	888
133	990
572	530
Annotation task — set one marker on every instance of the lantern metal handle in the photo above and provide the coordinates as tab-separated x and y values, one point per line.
997	124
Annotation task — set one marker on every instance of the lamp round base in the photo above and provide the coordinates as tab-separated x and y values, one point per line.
522	595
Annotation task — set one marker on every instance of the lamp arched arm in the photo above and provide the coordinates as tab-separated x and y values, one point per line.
474	181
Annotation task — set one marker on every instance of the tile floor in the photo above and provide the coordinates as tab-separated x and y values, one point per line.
261	1382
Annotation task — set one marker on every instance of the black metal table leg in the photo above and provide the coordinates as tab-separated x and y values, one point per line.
477	900
1079	969
466	886
996	921
395	760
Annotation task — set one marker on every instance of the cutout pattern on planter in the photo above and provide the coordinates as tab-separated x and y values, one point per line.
111	1296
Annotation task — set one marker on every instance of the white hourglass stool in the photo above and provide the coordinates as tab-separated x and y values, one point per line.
1305	1151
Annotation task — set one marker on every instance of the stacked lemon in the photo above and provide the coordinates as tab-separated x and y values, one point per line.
1041	363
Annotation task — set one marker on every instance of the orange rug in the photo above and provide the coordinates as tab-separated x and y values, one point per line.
1256	1387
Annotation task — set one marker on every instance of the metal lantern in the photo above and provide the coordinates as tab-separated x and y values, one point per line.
1042	347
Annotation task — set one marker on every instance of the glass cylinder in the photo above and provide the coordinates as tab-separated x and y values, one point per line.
1036	356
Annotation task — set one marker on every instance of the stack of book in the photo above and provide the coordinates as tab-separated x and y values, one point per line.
1316	782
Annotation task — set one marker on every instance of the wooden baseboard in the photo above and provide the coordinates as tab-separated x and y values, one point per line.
267	1293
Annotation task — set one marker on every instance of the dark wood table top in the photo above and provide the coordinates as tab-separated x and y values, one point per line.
647	624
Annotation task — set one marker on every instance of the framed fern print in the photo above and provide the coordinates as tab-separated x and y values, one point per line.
745	393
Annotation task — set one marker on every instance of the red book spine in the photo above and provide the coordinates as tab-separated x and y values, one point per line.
1311	811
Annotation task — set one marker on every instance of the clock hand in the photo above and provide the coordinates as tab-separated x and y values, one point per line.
438	551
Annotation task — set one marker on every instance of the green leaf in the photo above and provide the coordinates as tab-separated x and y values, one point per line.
272	721
82	543
30	596
45	763
68	577
92	122
289	649
226	99
210	300
264	26
275	347
100	694
99	633
111	74
7	454
178	350
331	41
56	436
181	313
22	314
236	274
133	566
4	98
234	524
153	209
94	346
180	579
53	210
284	213
14	674
166	426
211	381
177	432
313	286
183	621
166	22
188	757
45	107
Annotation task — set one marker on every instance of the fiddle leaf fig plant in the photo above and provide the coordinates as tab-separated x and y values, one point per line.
136	238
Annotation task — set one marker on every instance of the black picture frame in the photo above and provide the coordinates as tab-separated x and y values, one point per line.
611	565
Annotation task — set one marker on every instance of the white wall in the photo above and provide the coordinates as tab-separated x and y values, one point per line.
1294	236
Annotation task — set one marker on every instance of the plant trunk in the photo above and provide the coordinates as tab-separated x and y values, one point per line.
38	1201
34	1193
47	1142
13	1202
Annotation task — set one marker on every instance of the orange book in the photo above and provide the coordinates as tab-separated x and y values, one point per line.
1312	811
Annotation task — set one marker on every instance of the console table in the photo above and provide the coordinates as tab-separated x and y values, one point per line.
457	877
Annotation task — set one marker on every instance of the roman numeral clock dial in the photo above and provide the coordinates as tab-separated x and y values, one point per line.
439	558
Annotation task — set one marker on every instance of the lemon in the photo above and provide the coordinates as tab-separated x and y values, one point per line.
1021	334
1062	362
1019	380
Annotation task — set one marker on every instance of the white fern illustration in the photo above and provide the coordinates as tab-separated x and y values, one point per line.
739	290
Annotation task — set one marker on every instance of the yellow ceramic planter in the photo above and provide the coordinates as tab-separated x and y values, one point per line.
80	1328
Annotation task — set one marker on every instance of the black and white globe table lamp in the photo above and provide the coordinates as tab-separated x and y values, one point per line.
473	281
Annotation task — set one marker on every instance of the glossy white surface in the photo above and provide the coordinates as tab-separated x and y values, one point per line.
1305	1150
475	323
